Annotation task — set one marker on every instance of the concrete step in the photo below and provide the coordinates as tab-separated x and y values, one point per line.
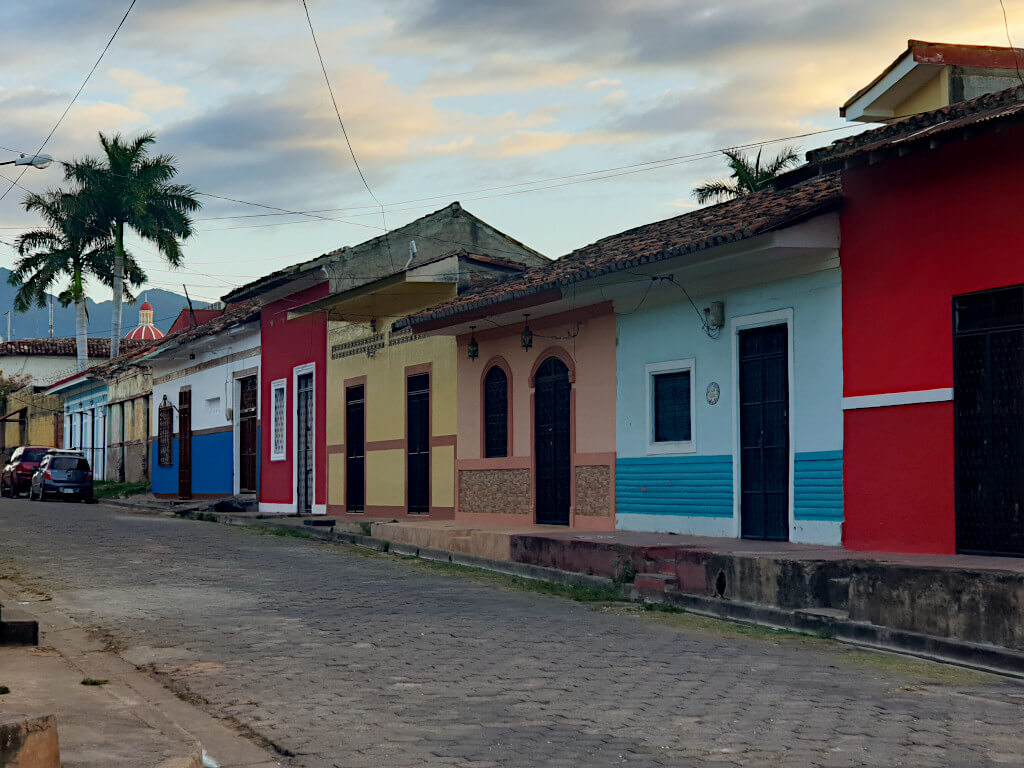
18	627
839	593
653	584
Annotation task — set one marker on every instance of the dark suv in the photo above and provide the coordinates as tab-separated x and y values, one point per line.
63	474
17	475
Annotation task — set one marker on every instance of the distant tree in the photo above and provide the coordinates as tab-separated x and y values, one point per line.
68	246
128	188
746	177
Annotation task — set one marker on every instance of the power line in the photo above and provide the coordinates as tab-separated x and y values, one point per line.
75	97
344	132
1006	26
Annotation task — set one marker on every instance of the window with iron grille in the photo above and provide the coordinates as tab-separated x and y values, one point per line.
670	398
279	419
495	413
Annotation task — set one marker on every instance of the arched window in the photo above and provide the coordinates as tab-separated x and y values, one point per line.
495	413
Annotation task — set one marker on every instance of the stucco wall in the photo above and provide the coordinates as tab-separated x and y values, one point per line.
591	353
85	424
917	231
286	345
212	377
696	492
385	373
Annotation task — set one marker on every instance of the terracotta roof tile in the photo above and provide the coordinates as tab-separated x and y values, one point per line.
65	346
704	228
920	127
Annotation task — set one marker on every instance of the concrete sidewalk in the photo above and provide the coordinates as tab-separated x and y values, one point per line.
131	721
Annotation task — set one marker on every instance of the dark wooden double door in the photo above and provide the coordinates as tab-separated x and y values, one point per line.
988	408
552	434
764	432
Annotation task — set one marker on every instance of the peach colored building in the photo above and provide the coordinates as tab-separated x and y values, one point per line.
536	419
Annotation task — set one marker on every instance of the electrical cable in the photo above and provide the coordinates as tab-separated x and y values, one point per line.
77	94
344	132
1016	58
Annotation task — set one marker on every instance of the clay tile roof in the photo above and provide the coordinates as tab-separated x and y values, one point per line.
64	347
708	227
921	127
240	313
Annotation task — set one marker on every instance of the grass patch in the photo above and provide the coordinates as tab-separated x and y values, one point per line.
679	619
4	690
919	670
266	530
583	593
366	529
93	681
108	489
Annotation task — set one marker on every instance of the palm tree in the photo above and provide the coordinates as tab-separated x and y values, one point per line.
746	177
67	246
128	188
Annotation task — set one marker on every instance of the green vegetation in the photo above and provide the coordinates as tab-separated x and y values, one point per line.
108	489
4	690
746	177
582	593
267	530
93	681
128	188
366	529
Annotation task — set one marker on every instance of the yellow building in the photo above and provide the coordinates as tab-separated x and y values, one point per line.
391	414
930	76
32	418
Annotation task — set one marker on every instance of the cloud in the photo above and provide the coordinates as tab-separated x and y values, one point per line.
501	73
602	83
149	94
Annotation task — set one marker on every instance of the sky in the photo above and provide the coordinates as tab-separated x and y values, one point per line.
443	100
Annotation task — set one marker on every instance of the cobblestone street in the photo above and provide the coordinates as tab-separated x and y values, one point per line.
343	658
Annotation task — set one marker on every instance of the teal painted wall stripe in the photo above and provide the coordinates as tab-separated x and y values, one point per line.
674	485
818	486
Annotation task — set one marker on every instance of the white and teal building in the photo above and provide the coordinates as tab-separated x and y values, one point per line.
729	390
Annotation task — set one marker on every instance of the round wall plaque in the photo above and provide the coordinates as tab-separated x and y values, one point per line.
713	393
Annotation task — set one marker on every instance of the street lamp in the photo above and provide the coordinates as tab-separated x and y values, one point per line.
36	161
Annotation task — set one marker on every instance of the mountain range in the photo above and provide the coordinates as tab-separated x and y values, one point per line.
36	322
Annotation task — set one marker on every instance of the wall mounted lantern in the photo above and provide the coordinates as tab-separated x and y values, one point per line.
473	348
526	339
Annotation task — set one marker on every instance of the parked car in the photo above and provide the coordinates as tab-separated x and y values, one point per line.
17	474
64	474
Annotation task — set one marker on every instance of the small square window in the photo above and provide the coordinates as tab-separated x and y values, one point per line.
672	407
279	419
670	415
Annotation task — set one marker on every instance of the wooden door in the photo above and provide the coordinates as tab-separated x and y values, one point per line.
248	441
355	449
764	432
185	444
988	413
304	449
418	443
552	442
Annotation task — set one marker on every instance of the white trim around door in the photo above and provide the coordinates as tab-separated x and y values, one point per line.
742	323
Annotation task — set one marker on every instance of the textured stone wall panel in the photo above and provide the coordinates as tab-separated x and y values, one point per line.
494	491
593	491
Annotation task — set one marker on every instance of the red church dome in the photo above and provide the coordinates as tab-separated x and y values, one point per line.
145	329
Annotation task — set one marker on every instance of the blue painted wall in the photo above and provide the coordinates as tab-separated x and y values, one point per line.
212	465
674	485
693	493
818	486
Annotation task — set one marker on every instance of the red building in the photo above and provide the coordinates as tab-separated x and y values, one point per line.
293	406
933	329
